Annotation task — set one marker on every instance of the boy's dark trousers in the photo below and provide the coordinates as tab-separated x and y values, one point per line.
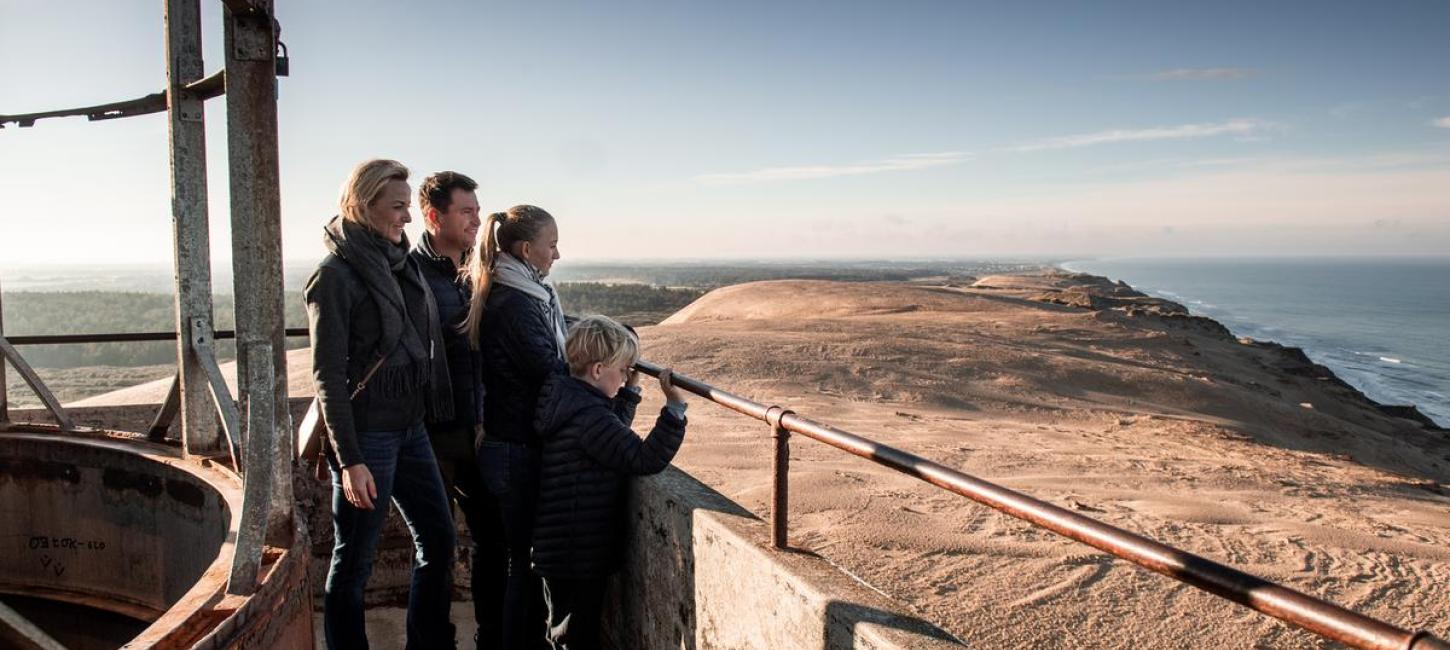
574	611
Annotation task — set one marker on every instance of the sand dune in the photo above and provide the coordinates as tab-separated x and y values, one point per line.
1130	411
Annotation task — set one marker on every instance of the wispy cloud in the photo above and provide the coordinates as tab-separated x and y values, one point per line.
1200	74
1181	132
1443	122
904	162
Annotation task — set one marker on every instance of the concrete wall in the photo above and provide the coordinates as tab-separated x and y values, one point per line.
701	574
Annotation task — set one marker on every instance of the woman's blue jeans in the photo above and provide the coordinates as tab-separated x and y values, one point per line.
510	472
406	473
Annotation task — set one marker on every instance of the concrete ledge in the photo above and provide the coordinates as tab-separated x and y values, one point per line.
700	573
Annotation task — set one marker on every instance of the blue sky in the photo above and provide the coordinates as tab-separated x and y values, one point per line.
745	129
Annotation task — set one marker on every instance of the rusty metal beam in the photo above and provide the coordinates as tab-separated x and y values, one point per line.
250	43
220	395
167	413
19	633
257	495
207	88
126	337
1302	610
4	392
190	224
37	386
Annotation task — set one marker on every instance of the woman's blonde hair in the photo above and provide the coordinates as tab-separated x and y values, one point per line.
599	339
501	230
364	185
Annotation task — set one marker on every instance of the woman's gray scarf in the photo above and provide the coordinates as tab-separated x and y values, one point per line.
410	333
513	272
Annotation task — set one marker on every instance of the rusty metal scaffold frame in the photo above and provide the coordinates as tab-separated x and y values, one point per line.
256	423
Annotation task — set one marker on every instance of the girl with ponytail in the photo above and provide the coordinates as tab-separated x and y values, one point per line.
516	323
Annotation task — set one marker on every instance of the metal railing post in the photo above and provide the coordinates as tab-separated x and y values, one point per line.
780	478
4	394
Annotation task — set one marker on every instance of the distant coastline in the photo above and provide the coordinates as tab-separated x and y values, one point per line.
1360	358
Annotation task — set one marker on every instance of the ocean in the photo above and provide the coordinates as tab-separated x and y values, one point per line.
1383	325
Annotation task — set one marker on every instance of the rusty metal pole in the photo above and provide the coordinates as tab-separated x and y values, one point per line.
190	228
251	72
780	478
4	393
256	497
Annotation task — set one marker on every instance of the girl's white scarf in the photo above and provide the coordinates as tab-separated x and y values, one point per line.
513	272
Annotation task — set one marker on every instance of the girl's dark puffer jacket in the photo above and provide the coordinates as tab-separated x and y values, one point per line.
519	352
589	452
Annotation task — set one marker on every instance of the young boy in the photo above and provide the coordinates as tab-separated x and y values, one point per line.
588	454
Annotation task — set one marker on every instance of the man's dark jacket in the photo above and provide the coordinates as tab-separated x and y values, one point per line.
518	347
588	454
465	365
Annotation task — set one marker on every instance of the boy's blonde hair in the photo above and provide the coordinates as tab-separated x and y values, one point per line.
599	339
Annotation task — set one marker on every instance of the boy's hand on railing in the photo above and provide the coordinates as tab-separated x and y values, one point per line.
667	386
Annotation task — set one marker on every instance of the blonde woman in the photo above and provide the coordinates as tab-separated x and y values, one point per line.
379	368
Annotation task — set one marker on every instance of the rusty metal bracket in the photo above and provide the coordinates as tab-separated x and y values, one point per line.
226	405
37	385
202	89
256	43
167	413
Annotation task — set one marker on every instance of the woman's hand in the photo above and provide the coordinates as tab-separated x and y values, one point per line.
667	386
358	486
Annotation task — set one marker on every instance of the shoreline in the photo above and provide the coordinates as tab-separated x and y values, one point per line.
1408	410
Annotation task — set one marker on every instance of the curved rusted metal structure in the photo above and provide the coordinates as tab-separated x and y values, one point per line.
107	521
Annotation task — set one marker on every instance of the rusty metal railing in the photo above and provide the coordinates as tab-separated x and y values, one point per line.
1313	614
169	407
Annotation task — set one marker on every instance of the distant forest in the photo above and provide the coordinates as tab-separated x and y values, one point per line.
112	312
92	312
635	294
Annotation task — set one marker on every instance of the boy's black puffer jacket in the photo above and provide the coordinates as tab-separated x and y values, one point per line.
519	352
588	453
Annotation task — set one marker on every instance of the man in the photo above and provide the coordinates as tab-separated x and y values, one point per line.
451	222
